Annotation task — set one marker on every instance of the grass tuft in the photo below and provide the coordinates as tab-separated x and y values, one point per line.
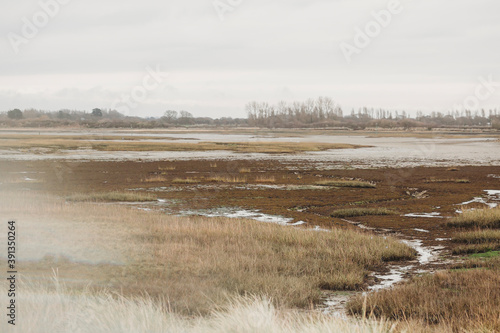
112	197
185	181
477	236
154	179
346	183
476	248
477	218
227	179
448	180
351	212
265	179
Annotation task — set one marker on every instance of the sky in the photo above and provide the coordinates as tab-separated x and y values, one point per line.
212	57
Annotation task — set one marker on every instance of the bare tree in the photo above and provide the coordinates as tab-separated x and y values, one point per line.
170	116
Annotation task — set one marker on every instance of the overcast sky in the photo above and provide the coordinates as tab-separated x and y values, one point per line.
219	55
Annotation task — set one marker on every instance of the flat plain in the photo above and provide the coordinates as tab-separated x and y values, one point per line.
303	222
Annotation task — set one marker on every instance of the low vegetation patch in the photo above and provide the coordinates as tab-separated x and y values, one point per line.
477	236
476	248
155	179
227	179
185	181
451	180
462	300
265	179
489	254
346	183
20	141
112	197
477	218
351	212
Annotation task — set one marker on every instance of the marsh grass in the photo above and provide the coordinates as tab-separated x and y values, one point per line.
155	179
464	300
265	179
477	236
488	254
112	197
448	180
244	170
196	262
477	218
352	212
476	248
109	144
239	256
226	179
104	312
346	183
185	180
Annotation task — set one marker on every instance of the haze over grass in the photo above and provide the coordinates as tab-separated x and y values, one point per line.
197	261
57	309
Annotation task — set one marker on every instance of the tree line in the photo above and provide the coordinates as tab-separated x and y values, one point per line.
322	112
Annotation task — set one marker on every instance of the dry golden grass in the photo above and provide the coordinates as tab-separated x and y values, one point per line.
112	197
265	179
476	248
106	312
155	179
213	165
244	170
197	262
289	265
185	180
346	183
72	142
463	301
477	218
477	236
226	179
477	241
351	212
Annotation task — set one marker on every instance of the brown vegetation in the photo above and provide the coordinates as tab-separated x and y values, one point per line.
20	141
462	300
351	212
112	197
477	218
346	183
